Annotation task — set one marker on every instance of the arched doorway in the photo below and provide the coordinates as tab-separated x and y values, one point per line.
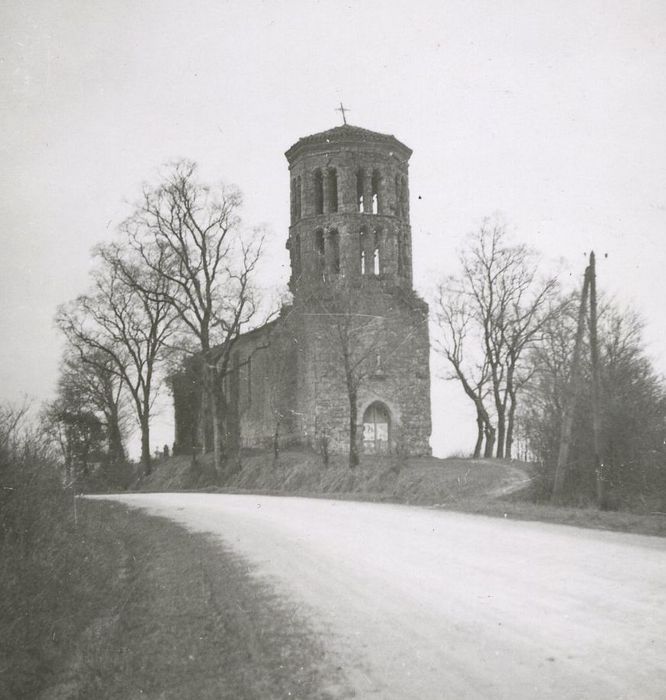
376	429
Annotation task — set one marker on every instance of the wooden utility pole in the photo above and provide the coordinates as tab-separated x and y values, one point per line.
573	390
596	415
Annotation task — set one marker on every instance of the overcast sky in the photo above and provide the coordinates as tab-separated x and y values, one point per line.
553	113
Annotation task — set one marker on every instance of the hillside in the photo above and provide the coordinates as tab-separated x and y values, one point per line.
423	480
487	487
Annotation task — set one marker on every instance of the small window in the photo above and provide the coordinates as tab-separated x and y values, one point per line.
318	192
360	179
375	191
334	252
375	253
320	251
332	191
364	245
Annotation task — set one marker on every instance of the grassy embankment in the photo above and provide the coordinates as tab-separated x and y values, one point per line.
186	620
485	487
111	603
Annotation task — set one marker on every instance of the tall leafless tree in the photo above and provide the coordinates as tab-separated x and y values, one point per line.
455	341
128	324
508	302
189	234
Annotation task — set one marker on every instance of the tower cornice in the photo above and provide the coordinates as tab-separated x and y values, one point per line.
346	135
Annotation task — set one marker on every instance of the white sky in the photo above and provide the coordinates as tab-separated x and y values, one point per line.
553	113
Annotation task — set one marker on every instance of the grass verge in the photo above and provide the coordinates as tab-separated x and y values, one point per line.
516	507
186	620
56	570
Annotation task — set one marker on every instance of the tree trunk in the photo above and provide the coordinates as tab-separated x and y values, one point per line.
508	448
482	418
145	445
490	441
205	426
69	459
353	415
218	446
212	433
479	435
501	432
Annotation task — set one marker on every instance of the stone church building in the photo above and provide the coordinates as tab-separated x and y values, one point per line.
355	324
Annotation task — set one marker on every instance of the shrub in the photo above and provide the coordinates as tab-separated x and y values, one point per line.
52	570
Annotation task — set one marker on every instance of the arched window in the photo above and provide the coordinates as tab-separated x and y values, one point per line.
360	180
375	252
293	199
333	256
297	198
332	190
320	253
318	192
376	429
363	241
375	191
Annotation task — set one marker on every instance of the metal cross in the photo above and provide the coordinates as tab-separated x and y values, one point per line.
342	110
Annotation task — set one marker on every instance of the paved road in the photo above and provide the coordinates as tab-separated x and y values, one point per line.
422	603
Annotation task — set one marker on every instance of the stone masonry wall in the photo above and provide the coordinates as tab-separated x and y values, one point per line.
399	378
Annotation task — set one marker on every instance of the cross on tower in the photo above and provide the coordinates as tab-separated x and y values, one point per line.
342	110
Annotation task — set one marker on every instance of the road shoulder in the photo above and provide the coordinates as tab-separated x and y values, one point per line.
189	620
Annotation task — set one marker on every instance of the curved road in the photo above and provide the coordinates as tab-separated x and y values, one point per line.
422	603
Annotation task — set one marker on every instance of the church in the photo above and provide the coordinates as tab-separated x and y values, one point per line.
350	353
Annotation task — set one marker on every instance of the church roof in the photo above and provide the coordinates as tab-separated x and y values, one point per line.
346	134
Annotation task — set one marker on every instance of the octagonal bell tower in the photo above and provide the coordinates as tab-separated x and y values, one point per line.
349	208
350	239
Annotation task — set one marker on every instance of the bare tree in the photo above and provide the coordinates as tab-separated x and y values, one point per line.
189	234
510	303
128	324
90	380
12	419
455	322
